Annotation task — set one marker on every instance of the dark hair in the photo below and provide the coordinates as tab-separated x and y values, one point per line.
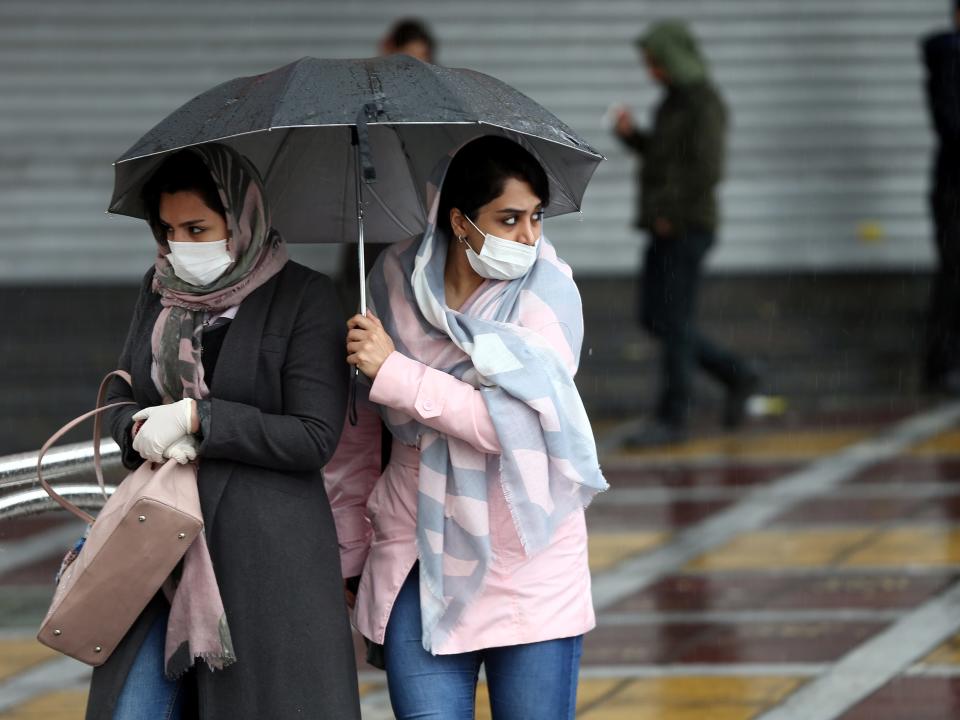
408	30
479	171
181	172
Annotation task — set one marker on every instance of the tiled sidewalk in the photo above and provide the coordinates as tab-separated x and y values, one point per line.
806	575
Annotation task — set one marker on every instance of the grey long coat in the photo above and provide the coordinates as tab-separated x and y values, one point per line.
278	403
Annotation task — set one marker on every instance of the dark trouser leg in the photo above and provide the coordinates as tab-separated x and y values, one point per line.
670	286
720	363
943	319
671	278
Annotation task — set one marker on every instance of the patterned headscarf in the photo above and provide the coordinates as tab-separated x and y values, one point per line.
197	625
258	252
548	465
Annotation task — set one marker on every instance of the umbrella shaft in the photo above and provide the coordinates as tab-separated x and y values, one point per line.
363	264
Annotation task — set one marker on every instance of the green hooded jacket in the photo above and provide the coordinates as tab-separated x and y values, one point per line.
682	155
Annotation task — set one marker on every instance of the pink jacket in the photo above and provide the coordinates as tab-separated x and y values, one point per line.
523	599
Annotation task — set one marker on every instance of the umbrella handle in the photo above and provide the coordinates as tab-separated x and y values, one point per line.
352	397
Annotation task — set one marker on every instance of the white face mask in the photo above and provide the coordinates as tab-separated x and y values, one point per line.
199	263
501	259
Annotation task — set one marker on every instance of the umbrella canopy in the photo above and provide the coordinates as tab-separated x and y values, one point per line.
303	125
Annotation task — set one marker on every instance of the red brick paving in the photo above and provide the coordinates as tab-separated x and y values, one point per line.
725	643
910	698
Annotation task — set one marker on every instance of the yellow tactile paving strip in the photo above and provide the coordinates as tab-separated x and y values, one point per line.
19	654
910	546
917	546
608	549
62	705
691	698
947	443
795	445
946	654
773	549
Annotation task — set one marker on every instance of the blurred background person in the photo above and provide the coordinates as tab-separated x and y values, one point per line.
681	164
941	56
407	36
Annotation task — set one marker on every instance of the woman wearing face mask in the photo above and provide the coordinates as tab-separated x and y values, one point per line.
237	363
471	545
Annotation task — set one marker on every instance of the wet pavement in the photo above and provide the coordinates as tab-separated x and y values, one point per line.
809	574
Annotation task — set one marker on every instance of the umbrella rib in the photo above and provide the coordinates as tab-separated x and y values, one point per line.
390	214
276	156
294	66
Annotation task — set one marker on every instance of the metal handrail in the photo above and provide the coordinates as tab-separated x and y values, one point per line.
68	468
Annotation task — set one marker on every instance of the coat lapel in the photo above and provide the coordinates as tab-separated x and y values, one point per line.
235	380
143	360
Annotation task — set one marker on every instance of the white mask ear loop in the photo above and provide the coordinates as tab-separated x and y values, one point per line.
475	226
463	238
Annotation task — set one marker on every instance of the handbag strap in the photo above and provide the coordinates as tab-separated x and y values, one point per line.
98	421
96	413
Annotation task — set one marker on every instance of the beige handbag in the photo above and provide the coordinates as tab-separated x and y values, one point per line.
132	546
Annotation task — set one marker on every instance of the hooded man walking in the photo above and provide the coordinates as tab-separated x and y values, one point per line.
681	164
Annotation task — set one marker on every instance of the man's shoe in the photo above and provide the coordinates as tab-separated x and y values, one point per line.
656	434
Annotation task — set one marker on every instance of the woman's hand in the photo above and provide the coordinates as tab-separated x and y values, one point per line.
164	425
368	344
663	227
623	122
183	450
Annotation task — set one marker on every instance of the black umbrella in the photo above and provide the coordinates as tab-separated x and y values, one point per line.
343	144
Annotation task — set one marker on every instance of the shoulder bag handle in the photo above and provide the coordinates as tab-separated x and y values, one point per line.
96	413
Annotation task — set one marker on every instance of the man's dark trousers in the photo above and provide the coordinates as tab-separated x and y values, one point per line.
670	284
943	331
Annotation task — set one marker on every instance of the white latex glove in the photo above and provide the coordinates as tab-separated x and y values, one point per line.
183	450
163	425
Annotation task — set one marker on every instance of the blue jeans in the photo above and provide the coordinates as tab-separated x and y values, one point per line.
147	694
537	681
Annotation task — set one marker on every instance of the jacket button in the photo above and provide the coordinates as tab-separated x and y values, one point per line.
428	404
